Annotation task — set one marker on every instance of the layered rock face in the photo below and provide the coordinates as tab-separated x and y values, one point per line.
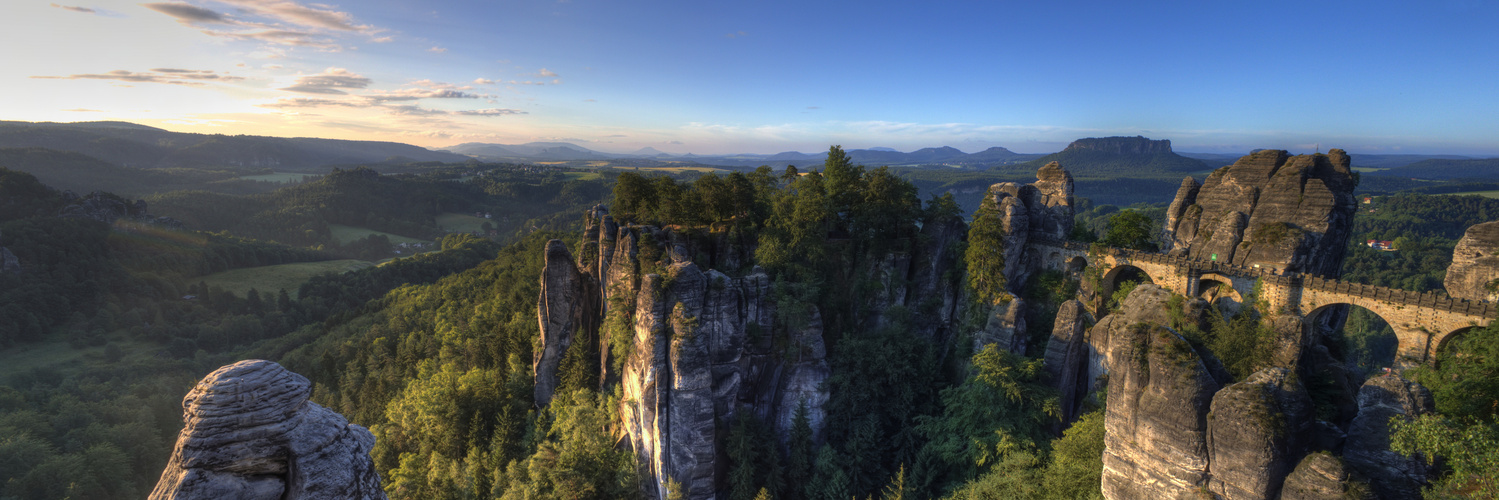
1271	209
1257	430
1066	357
1322	476
700	340
251	433
1043	209
1156	443
1368	448
564	312
1475	263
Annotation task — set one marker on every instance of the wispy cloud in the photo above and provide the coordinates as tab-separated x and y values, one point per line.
736	34
490	112
188	14
85	10
546	73
483	81
171	76
281	22
84	110
437	50
331	81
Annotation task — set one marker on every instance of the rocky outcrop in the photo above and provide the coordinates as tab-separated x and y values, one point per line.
699	328
1155	444
1043	209
1186	196
1257	430
932	295
1066	357
251	433
1475	263
1368	448
1270	209
1137	145
1005	328
564	310
1323	476
9	263
108	208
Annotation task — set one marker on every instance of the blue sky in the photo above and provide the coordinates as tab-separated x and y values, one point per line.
763	77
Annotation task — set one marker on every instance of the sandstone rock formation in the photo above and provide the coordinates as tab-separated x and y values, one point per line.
251	433
1368	448
564	312
1155	444
1257	430
1066	358
1475	263
1322	476
699	321
1270	209
1043	209
1006	328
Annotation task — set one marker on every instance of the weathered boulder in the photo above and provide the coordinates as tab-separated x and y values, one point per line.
1186	196
1066	359
1050	202
1368	447
251	433
1475	263
1005	328
1270	209
564	311
1155	443
1257	429
1323	476
1146	304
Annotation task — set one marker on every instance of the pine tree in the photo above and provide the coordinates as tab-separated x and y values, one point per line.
799	457
985	254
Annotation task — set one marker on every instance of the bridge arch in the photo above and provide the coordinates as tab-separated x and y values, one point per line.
1366	340
1118	274
1450	340
1222	291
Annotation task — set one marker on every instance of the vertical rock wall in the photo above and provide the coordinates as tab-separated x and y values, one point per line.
1475	263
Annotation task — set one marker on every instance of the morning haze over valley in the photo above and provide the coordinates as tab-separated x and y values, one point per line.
576	249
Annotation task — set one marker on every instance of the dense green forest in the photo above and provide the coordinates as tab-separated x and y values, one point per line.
433	353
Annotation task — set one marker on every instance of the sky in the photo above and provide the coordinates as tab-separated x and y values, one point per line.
719	77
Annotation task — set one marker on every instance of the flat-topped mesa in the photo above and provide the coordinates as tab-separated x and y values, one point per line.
251	433
1268	209
1475	263
1122	145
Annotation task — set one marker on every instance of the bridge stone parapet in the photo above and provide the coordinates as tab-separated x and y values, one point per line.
1423	321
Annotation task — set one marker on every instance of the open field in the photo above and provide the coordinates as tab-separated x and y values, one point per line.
1485	194
346	234
583	176
462	223
1369	169
286	177
677	170
270	279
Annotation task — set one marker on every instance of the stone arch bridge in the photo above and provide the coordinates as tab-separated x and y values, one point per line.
1424	322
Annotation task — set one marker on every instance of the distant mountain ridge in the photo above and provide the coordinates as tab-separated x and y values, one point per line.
140	146
1444	169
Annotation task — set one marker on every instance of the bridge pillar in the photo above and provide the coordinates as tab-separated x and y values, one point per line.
1415	346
